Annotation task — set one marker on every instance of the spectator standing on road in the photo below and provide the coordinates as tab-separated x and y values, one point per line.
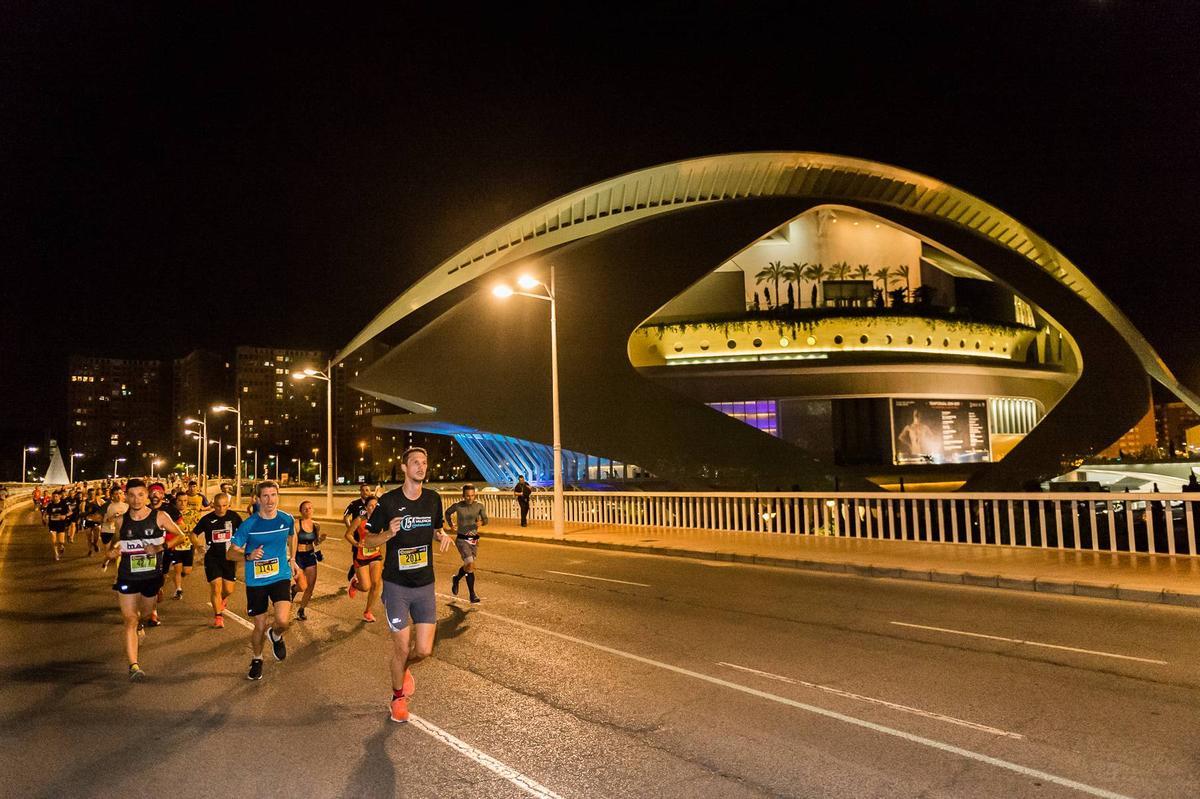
464	518
522	491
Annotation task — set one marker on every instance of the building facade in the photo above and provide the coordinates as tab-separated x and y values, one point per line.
282	419
201	379
117	409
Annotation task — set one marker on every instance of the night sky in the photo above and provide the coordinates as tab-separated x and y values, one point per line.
176	178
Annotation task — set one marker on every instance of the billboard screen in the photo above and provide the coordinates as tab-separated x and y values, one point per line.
940	431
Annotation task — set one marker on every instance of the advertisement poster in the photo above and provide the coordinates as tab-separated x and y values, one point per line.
940	431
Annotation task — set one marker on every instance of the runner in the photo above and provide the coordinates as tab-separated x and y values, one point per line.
138	545
74	500
194	500
158	502
267	542
113	510
355	511
406	521
464	518
181	556
215	531
368	562
58	519
91	514
308	554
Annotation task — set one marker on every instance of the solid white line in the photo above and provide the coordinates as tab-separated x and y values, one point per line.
589	577
820	711
1030	643
248	625
929	714
526	784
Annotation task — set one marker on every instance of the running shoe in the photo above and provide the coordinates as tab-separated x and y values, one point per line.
141	630
179	593
300	615
400	709
475	600
353	589
153	620
136	674
255	672
410	685
219	622
277	647
454	584
369	617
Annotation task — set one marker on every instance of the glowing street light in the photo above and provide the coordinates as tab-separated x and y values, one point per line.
201	449
25	452
74	455
237	412
528	283
115	462
154	465
327	376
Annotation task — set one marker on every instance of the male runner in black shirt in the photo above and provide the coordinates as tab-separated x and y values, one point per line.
355	512
215	531
406	520
58	519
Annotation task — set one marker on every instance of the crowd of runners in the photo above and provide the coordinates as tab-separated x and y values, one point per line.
148	531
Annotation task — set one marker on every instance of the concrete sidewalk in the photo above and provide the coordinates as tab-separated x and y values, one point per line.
1137	578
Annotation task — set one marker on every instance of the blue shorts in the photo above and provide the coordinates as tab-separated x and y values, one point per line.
308	560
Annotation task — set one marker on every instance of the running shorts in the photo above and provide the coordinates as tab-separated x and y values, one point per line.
258	595
468	548
307	560
184	556
224	568
106	537
400	602
147	588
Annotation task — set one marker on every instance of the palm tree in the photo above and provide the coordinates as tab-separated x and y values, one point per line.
903	271
795	273
817	273
839	271
884	275
862	271
771	272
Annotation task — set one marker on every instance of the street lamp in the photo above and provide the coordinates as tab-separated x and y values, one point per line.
327	376
25	452
202	449
528	283
115	462
238	412
297	460
218	442
74	455
255	472
154	464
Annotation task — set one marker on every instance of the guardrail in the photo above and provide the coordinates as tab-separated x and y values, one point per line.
1156	524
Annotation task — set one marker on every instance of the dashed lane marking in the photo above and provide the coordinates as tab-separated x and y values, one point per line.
514	777
590	577
1030	643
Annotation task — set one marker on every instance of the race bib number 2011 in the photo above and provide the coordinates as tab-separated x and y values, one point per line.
412	558
266	568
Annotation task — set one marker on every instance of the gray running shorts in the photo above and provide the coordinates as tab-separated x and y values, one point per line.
469	549
400	602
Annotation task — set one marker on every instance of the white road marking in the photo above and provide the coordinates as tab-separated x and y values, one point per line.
248	625
525	783
1030	643
1017	768
589	577
929	714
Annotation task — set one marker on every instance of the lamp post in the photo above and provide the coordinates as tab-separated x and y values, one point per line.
528	283
25	452
154	464
327	376
238	412
255	472
218	442
115	462
74	455
202	449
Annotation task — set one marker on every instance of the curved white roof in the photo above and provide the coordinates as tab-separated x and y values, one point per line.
682	184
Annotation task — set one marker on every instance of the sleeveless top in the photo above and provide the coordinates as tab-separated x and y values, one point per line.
133	535
307	538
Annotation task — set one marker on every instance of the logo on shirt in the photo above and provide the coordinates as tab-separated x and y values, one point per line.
409	522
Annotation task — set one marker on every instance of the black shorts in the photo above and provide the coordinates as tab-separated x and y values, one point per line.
308	560
185	556
257	596
106	537
224	568
147	588
59	527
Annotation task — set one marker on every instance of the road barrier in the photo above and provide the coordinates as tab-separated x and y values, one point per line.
1156	524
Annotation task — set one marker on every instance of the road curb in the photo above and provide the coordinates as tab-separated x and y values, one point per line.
1114	592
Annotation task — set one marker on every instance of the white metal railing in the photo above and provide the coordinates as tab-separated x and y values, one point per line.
1157	524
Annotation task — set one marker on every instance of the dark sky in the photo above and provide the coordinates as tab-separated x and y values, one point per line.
178	177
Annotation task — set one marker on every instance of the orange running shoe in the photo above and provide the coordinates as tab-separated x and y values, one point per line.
400	709
219	622
353	589
369	617
410	685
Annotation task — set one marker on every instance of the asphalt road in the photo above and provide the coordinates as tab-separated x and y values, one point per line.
589	673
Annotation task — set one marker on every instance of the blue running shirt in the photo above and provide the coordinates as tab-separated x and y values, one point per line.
272	535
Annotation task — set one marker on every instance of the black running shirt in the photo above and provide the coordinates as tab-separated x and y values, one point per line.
409	557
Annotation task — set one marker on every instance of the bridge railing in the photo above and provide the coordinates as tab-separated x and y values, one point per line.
1157	524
